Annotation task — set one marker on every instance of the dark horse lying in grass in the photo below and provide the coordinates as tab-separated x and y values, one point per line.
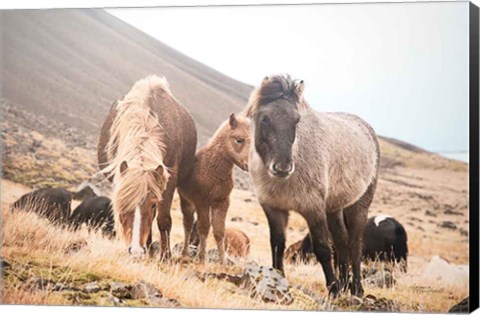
322	165
96	213
384	239
52	203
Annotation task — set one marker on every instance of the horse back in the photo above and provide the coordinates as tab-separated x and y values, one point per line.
180	133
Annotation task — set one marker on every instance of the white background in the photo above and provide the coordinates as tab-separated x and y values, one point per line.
40	310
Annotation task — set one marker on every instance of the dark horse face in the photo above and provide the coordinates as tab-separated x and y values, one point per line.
275	133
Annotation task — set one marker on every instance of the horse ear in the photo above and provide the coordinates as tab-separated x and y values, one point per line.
233	121
123	167
299	88
159	169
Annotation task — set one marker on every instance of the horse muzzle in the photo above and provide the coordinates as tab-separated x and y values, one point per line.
281	171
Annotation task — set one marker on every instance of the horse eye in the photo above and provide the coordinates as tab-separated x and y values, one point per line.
240	141
265	120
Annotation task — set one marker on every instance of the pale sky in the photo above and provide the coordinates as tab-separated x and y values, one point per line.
401	67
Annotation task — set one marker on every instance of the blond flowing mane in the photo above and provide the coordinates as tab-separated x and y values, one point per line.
136	137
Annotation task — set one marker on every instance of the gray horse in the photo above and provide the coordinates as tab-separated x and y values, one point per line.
322	165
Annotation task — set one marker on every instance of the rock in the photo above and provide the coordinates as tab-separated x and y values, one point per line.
430	213
120	290
268	284
309	300
463	232
144	290
63	287
163	302
368	303
452	212
37	283
110	301
4	265
461	307
77	298
371	303
379	278
92	287
440	273
75	246
260	282
448	225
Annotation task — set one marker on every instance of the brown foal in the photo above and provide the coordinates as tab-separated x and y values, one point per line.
208	189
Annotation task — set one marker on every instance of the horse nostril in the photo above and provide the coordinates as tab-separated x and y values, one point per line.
274	167
289	167
130	250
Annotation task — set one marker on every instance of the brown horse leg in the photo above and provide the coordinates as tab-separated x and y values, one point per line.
317	224
164	223
277	222
203	227
219	214
188	209
356	218
339	232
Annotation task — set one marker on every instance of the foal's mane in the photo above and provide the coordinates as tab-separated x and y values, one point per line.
273	88
136	137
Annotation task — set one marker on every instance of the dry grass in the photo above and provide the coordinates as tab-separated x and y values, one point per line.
29	240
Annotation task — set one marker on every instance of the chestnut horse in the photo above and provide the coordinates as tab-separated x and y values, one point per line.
207	191
322	165
147	147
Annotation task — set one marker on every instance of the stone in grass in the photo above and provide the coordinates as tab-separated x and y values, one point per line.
163	302
92	287
368	303
381	278
268	284
121	290
110	301
37	283
144	290
448	225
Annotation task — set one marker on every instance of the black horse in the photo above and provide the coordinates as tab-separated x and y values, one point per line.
384	239
96	213
51	203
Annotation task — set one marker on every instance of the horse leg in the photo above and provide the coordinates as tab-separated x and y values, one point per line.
188	210
356	219
277	222
203	227
219	214
339	233
164	223
318	227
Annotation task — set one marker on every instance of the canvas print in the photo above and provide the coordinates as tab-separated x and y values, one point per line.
287	157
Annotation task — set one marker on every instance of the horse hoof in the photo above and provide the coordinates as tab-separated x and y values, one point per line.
356	289
334	290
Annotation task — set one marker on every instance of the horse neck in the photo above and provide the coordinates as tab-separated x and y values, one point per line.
215	159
